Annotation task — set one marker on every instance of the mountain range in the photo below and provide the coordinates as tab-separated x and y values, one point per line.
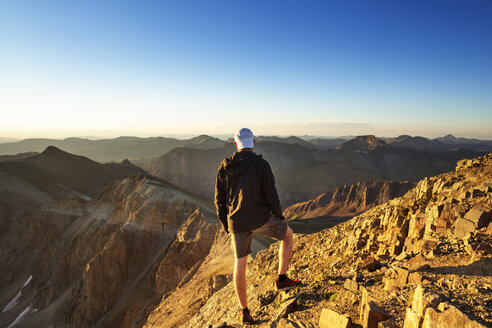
85	244
143	149
145	253
303	173
110	150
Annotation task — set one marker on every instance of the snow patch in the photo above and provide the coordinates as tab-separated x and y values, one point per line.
155	182
13	302
85	197
27	281
21	316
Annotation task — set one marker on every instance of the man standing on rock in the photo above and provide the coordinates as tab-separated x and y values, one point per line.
247	202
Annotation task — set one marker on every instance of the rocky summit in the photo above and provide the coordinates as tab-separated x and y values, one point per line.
420	260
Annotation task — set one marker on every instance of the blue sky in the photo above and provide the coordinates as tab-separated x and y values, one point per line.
110	68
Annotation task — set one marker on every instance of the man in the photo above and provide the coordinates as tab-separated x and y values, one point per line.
247	202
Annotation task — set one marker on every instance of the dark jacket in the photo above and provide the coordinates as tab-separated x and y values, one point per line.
245	193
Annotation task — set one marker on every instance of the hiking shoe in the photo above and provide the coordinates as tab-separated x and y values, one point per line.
287	284
246	317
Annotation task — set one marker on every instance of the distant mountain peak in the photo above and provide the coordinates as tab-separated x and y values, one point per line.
367	138
363	143
449	137
52	150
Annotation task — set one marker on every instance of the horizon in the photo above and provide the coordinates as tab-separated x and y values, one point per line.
281	68
226	137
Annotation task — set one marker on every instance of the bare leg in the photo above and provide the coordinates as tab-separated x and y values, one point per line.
285	251
240	280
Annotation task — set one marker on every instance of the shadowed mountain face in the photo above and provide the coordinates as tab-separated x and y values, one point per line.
302	173
61	174
348	200
107	262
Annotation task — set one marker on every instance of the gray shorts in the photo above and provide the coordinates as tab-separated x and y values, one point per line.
241	241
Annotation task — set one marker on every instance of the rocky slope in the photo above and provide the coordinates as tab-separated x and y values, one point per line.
420	260
348	200
106	262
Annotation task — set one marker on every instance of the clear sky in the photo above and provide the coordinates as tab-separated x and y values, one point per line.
109	68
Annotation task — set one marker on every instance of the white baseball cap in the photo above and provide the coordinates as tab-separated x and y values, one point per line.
244	138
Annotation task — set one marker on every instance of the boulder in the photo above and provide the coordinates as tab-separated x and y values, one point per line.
370	264
479	216
402	256
463	227
370	313
451	317
414	278
435	211
351	285
402	276
417	261
420	302
373	315
347	297
285	308
332	319
389	284
412	319
422	299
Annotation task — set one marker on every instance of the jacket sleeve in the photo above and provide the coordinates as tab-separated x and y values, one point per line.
270	191
221	199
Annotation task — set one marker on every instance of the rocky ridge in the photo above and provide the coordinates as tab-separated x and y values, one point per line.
421	260
348	200
106	262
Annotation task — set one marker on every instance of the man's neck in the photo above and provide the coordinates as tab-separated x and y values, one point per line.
245	149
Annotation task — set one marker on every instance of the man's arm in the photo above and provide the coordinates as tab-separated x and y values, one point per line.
221	200
270	191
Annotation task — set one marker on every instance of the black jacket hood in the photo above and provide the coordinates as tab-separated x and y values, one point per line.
240	161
